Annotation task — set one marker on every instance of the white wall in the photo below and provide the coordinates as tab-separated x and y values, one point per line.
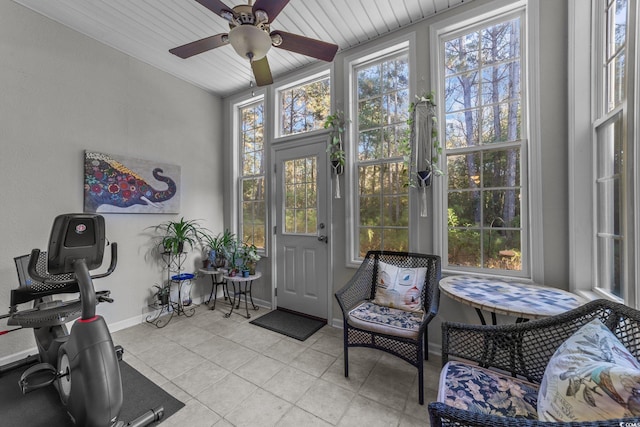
62	93
553	132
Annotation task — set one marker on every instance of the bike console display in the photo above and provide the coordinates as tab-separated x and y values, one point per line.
73	237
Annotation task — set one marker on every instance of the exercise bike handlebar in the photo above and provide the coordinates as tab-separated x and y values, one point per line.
52	280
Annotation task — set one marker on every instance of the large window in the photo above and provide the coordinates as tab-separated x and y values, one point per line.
252	222
603	154
485	147
381	195
610	148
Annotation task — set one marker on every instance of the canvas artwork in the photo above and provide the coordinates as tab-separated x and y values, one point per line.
119	184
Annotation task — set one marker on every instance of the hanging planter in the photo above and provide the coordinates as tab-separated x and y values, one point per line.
421	151
336	122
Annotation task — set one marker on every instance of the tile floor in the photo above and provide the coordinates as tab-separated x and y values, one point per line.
229	372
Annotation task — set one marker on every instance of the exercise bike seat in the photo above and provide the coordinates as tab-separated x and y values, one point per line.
47	312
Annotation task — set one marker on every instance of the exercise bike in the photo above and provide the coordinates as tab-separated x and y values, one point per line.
83	364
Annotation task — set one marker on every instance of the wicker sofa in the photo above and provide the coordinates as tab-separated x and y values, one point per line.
521	353
396	331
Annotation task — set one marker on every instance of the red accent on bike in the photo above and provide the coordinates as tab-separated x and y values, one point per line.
89	320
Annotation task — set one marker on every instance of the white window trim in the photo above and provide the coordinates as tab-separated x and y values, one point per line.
234	211
531	104
380	50
584	118
311	74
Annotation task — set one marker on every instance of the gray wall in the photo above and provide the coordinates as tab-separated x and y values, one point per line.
62	93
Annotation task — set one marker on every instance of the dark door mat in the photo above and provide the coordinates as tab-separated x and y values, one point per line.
290	324
42	408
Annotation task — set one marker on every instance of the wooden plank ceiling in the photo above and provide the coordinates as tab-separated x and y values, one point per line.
147	29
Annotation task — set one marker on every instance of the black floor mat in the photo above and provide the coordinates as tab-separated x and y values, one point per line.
42	407
290	324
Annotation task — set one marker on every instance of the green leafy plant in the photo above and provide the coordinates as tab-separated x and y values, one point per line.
336	122
176	234
217	246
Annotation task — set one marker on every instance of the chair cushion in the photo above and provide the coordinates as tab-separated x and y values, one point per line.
386	320
400	287
475	389
590	377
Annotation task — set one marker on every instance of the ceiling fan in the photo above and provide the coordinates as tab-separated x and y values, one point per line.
251	37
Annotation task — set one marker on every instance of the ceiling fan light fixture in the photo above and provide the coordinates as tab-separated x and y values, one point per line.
250	42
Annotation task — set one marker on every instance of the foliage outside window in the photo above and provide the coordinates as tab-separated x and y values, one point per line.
301	196
484	143
610	146
252	175
382	92
304	107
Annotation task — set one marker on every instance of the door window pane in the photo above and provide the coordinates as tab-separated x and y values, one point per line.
300	200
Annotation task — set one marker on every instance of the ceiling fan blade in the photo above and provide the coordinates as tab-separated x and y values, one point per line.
272	7
262	72
306	46
199	46
216	6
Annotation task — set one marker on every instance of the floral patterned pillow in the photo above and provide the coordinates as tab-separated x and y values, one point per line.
400	287
591	377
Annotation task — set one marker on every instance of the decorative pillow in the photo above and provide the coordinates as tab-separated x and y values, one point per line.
400	287
591	377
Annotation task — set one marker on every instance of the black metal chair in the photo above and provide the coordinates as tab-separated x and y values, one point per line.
524	351
409	345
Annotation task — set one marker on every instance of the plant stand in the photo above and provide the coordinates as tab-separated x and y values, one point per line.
174	263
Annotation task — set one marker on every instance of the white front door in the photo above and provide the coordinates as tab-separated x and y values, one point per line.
302	272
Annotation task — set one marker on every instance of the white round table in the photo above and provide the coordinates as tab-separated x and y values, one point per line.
240	280
509	297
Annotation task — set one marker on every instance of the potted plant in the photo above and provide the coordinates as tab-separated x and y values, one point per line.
336	122
163	294
250	257
175	234
217	246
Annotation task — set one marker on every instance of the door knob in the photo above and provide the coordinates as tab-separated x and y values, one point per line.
323	239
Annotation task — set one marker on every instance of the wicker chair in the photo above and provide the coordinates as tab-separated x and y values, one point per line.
411	346
524	351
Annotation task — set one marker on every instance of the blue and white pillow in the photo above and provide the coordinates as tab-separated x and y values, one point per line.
400	287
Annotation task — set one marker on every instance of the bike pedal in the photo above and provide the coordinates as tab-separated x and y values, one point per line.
37	376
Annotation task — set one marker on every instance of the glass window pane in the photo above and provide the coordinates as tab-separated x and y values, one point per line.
502	249
466	206
370	239
462	54
383	105
395	239
464	171
461	129
464	247
304	108
501	168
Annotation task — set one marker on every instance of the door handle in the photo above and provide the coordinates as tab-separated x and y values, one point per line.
323	239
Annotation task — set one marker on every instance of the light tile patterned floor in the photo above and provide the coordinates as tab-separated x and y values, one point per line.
229	372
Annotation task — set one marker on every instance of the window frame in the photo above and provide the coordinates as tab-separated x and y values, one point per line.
531	208
587	114
308	76
385	49
238	177
310	79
